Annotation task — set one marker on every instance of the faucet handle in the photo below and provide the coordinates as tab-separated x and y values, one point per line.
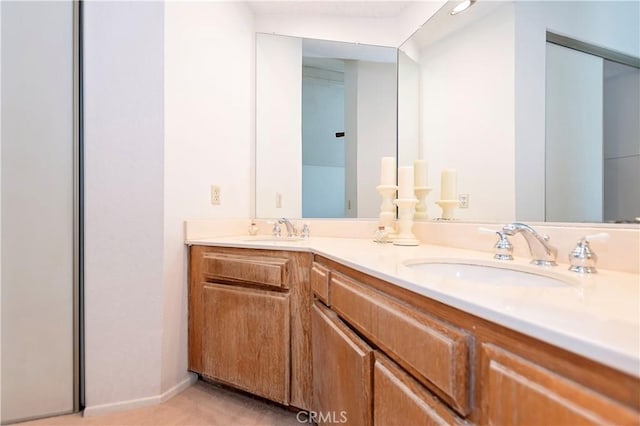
276	232
503	247
582	259
305	231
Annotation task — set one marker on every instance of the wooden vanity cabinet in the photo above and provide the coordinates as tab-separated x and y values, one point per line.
306	331
435	364
249	321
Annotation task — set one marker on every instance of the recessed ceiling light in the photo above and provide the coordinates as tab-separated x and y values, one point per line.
462	7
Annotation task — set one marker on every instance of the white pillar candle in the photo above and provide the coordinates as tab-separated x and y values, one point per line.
449	185
420	173
388	171
405	182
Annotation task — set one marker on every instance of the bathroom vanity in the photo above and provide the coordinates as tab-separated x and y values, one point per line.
343	328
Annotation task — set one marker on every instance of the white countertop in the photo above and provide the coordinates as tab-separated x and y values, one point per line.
596	316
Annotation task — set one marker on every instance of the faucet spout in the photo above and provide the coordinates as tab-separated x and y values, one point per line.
542	253
291	229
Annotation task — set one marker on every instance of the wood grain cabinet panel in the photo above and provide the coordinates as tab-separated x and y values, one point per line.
435	352
261	270
246	339
519	392
342	371
399	400
320	282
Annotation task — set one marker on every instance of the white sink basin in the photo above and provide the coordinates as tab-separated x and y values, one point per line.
487	274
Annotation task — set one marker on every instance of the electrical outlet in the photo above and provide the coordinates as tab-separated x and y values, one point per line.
463	201
215	195
278	200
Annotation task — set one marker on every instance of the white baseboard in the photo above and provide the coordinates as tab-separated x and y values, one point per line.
97	410
191	379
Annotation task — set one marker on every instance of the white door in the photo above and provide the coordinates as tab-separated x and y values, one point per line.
574	158
37	184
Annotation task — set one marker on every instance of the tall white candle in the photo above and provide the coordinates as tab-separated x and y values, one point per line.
449	185
388	171
405	182
420	173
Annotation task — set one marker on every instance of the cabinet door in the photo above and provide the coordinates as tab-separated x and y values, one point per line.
246	339
519	392
342	365
399	400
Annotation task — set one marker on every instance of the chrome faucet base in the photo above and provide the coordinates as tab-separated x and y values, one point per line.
583	269
540	262
500	256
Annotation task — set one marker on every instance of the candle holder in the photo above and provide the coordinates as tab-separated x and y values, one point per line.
387	209
448	206
406	209
421	207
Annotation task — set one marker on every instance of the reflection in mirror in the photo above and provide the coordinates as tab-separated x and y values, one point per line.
325	115
482	83
593	125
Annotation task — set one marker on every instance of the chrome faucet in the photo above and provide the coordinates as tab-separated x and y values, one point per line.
291	229
542	253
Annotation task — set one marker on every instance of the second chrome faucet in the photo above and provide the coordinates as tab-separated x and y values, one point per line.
542	253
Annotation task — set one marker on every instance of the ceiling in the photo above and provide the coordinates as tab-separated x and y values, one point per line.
355	9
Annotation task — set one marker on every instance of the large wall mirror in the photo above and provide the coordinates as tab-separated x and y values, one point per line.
325	115
535	103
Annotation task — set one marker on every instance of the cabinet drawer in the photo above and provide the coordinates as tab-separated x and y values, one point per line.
517	391
261	270
399	400
320	282
435	352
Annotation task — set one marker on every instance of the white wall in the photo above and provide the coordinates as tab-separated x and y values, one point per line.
169	111
467	114
601	23
124	205
279	120
408	109
209	129
383	31
375	31
414	16
37	209
377	95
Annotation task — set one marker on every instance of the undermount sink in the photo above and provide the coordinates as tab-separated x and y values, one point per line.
468	272
268	239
